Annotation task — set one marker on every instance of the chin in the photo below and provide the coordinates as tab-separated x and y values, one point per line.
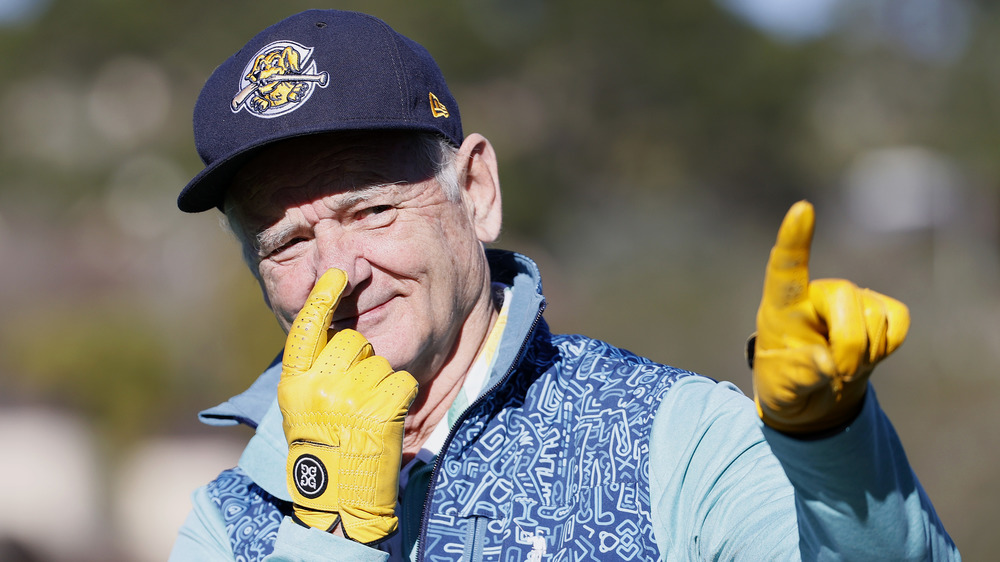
392	349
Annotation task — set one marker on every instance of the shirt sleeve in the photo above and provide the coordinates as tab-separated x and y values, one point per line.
203	537
203	534
298	544
724	486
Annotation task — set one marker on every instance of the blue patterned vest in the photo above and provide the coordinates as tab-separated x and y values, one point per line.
551	465
252	515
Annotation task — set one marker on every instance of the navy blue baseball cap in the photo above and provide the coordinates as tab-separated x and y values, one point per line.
314	72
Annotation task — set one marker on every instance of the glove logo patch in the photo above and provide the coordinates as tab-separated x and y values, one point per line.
309	476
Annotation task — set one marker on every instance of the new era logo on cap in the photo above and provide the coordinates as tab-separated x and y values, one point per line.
437	108
314	72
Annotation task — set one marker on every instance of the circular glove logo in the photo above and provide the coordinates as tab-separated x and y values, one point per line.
309	475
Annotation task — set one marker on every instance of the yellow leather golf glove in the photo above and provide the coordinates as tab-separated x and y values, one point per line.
817	342
343	409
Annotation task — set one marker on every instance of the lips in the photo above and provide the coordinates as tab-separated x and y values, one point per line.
346	316
349	313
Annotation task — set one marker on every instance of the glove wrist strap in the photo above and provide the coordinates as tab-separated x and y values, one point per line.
313	471
322	520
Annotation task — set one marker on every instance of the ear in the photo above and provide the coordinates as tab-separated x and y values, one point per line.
291	58
479	179
256	67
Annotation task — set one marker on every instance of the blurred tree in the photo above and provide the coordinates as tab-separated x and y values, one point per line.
642	144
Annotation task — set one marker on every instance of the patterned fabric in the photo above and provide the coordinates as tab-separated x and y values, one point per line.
252	515
553	465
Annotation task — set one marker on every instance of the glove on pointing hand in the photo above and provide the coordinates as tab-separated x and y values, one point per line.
343	409
817	342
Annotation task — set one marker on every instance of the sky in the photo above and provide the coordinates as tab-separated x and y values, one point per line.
934	31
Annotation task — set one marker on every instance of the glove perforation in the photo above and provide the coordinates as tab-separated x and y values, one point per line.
343	411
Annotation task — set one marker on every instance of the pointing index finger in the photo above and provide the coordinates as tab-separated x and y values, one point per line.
308	334
786	279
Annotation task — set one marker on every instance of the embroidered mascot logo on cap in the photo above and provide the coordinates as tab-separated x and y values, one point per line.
278	80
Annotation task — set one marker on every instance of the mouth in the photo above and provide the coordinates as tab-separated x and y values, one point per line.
349	314
344	324
345	317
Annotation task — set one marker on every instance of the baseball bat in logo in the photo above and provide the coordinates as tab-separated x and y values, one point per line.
310	476
279	79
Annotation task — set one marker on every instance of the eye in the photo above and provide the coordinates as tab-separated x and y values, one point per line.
376	210
285	247
375	216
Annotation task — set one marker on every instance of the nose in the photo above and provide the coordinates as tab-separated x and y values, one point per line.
346	251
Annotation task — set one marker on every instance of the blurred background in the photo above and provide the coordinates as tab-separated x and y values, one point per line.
648	151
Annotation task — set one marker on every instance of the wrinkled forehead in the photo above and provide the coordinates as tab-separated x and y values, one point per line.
304	169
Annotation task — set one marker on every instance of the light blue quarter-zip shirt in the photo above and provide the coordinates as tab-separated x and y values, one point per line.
722	485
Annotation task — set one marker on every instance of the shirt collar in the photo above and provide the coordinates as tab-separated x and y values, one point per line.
508	268
249	406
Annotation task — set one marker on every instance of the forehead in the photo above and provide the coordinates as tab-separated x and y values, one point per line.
300	170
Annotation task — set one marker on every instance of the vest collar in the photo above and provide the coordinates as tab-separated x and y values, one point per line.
509	268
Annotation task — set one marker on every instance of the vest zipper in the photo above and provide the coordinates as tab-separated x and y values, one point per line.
451	433
474	543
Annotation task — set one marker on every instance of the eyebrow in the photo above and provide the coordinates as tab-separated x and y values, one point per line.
275	236
360	194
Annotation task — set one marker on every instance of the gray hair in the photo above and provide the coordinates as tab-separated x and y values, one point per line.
432	147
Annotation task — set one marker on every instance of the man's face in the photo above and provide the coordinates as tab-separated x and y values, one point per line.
367	204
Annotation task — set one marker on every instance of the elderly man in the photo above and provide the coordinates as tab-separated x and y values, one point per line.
423	410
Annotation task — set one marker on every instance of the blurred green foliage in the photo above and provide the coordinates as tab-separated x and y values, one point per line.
647	149
106	361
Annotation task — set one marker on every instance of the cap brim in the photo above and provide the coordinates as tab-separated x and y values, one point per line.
207	190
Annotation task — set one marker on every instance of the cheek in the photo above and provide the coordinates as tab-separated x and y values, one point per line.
286	292
412	245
